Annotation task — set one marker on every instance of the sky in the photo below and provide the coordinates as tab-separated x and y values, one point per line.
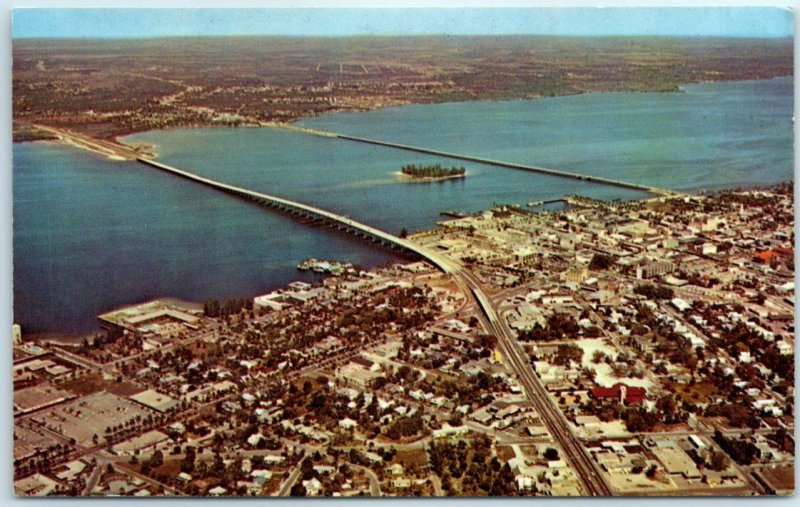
122	23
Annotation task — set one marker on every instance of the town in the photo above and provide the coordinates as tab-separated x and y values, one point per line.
662	331
98	90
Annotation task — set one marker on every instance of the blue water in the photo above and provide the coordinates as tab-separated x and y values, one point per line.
92	234
711	136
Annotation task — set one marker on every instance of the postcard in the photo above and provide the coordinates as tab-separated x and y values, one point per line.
403	252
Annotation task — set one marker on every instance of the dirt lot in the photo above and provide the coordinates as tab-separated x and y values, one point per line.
412	457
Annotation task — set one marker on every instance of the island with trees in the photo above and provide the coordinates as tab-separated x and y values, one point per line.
432	172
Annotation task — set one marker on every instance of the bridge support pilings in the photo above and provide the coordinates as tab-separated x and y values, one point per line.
298	211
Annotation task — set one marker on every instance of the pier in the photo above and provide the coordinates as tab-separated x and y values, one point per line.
533	204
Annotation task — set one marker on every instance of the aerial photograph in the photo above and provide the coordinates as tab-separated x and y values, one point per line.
405	252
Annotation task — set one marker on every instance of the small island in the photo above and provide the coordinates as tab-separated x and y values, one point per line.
432	172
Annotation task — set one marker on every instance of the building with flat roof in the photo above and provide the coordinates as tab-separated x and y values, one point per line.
677	462
148	317
155	400
357	374
653	269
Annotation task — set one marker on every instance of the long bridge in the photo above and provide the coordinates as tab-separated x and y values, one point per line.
488	161
299	209
516	359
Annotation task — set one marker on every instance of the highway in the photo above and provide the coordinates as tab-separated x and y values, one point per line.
516	359
512	165
554	420
358	228
109	149
481	160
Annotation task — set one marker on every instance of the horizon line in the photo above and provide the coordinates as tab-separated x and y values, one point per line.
406	35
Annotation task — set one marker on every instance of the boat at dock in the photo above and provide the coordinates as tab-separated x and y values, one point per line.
454	214
326	267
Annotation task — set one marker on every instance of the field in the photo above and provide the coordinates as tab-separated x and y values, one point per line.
89	384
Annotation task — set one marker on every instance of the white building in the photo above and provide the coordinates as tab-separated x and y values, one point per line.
16	333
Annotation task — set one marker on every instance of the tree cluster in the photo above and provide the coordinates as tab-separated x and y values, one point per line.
432	171
213	308
654	291
602	261
472	465
742	451
558	327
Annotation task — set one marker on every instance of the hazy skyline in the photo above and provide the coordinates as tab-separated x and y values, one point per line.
766	22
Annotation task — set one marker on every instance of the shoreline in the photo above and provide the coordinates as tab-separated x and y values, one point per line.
75	339
292	124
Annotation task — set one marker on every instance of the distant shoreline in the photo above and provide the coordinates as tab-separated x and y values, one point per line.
20	134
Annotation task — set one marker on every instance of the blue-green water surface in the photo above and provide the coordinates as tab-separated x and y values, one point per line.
93	234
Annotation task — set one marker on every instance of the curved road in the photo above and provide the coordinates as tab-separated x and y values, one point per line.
555	421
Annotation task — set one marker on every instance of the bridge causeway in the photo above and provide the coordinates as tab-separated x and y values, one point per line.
304	210
534	390
487	161
512	165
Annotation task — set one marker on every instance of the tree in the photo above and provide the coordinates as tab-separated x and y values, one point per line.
666	404
211	308
601	261
403	232
298	490
718	460
551	454
157	459
188	462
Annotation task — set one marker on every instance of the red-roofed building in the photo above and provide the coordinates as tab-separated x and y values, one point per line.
765	257
785	252
625	394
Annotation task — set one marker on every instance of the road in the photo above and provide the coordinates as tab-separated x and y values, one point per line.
92	482
469	284
153	482
286	487
500	163
437	485
110	149
374	483
441	262
518	361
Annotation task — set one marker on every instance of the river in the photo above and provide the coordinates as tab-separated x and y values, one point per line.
92	234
